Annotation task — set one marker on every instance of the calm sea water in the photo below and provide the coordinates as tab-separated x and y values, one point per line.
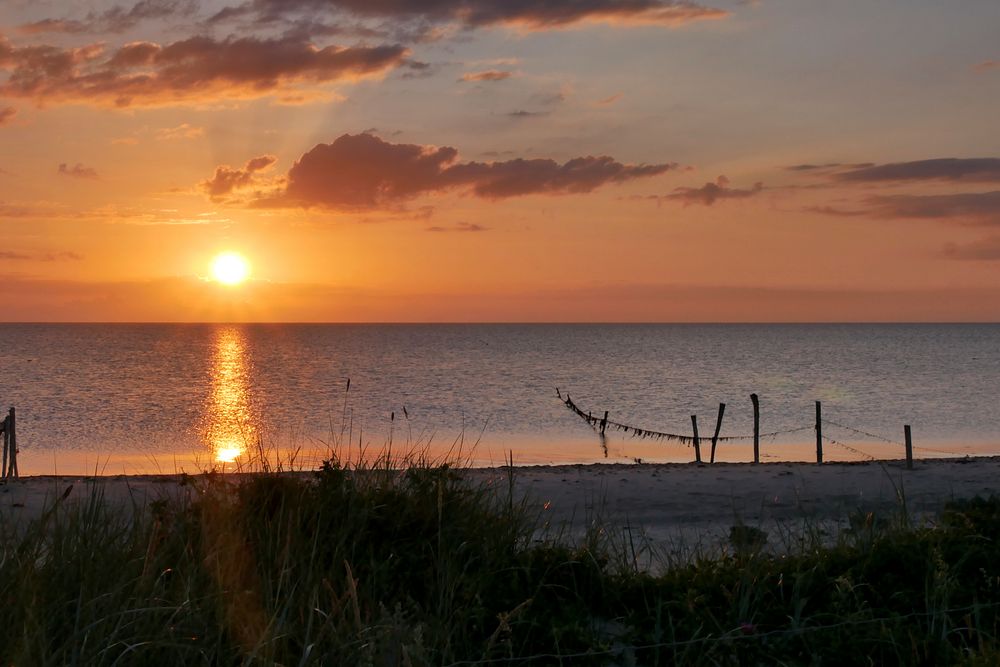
155	392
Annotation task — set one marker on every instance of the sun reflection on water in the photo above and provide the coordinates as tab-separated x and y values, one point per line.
230	425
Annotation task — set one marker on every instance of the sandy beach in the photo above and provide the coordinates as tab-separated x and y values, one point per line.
662	502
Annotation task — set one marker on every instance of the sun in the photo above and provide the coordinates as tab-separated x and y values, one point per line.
230	268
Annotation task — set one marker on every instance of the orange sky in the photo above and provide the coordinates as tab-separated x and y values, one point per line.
488	160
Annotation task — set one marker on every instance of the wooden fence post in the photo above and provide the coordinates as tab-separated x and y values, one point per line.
13	443
819	432
6	444
718	427
756	428
697	443
909	447
604	422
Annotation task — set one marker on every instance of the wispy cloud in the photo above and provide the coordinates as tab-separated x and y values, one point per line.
985	169
182	131
710	193
7	115
40	256
491	75
480	13
77	171
114	20
971	207
987	249
459	227
608	101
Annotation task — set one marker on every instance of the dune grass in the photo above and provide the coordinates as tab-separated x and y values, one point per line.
380	566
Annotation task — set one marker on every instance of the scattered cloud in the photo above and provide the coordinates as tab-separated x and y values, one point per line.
983	250
987	65
481	13
460	227
829	166
182	131
608	101
835	211
7	115
521	113
972	207
487	75
947	169
198	69
710	193
363	171
114	20
77	171
228	179
60	256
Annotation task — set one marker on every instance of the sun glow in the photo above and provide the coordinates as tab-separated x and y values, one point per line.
230	268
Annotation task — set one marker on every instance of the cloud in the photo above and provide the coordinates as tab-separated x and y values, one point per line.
363	171
608	101
114	20
834	211
710	193
987	65
197	69
829	166
972	207
488	75
77	171
60	256
7	115
480	13
460	227
227	179
983	250
946	169
521	113
182	131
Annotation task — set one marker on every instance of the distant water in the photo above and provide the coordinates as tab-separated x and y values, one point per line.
155	392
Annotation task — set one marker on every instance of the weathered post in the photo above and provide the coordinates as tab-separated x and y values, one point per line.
6	444
819	432
604	422
756	428
13	443
718	427
909	447
697	443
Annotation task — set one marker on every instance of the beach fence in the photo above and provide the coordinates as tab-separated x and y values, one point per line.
9	431
602	424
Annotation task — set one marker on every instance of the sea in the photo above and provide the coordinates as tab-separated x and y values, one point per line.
165	398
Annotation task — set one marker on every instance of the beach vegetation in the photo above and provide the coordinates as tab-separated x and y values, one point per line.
380	565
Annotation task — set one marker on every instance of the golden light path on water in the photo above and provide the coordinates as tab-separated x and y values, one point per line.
229	418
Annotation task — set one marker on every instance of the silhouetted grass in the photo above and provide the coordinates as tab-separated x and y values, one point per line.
419	567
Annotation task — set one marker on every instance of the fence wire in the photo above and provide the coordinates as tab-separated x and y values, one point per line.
601	424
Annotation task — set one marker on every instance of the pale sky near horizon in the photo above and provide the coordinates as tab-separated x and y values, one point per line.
500	160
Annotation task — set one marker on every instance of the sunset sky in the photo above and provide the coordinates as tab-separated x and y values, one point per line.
500	160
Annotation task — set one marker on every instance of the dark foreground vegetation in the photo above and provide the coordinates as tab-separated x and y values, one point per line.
420	568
